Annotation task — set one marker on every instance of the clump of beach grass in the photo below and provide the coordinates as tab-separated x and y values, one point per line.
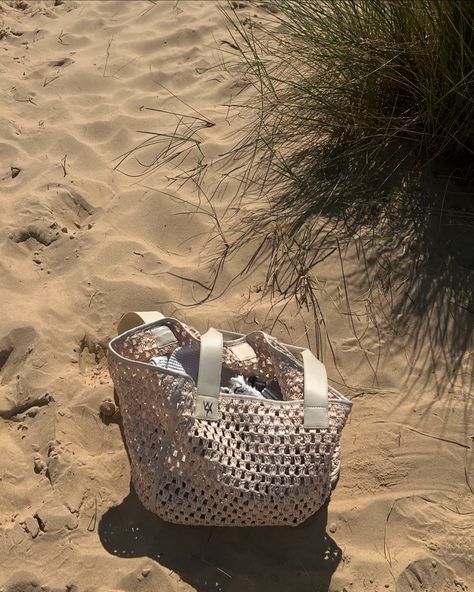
354	103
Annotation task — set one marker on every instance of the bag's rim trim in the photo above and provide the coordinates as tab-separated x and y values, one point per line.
338	397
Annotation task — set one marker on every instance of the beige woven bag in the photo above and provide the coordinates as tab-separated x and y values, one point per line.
201	456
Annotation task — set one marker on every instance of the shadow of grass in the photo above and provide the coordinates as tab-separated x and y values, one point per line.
424	271
413	257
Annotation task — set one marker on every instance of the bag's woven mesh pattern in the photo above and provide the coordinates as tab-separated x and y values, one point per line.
256	465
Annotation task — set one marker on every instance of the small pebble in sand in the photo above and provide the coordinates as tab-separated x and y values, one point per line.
108	408
332	527
145	572
433	563
15	171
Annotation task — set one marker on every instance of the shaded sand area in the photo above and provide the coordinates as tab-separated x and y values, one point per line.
82	242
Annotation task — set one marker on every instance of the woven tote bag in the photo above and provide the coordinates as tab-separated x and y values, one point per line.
202	455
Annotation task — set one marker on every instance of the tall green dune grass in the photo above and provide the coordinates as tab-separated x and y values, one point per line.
354	102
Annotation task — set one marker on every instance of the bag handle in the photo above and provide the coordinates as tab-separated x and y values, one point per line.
133	319
316	392
163	336
209	380
210	367
209	375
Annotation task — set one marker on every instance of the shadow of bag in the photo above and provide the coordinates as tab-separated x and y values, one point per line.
203	456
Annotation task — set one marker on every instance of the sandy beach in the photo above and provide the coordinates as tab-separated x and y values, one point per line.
85	237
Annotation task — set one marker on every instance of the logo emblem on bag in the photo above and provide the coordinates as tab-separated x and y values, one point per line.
207	407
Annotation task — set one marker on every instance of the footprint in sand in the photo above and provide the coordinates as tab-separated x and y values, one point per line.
61	63
15	347
43	232
92	358
65	215
428	575
36	236
57	70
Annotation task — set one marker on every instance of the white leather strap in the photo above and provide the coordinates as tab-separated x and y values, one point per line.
163	336
315	392
130	320
209	379
133	319
210	368
209	375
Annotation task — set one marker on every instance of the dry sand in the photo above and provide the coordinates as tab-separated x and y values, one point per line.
82	242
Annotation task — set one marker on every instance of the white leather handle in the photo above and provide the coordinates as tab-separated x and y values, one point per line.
163	336
209	380
209	375
210	368
133	319
315	392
